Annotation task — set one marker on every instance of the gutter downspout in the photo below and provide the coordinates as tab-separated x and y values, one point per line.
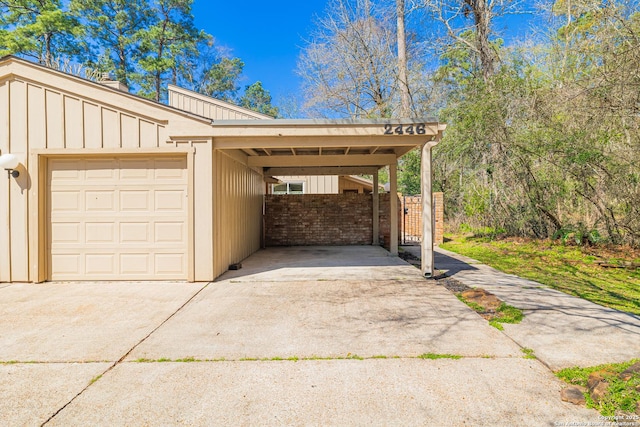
427	262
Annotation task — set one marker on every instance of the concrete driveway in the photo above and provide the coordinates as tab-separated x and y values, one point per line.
298	336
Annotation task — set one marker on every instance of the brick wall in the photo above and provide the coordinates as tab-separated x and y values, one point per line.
324	219
385	220
438	211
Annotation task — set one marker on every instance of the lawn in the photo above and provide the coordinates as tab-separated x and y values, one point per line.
588	272
622	394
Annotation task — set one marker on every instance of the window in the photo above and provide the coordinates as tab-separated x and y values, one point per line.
288	188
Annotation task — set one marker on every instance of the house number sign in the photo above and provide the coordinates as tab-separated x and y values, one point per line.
412	129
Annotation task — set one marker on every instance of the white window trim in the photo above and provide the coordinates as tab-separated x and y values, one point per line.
288	183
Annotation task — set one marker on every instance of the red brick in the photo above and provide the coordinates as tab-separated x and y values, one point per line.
324	219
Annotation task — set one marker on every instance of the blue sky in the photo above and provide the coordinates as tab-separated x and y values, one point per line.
265	35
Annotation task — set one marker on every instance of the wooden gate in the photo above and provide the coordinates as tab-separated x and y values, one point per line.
412	219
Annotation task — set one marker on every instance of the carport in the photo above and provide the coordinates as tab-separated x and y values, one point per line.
103	185
339	147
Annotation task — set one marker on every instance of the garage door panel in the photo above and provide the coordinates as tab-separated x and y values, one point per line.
98	169
170	200
66	264
118	219
135	200
99	232
134	169
68	232
134	232
65	201
139	264
169	263
99	264
99	201
67	171
169	232
166	172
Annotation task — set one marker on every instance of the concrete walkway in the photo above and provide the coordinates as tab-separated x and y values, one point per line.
298	336
563	330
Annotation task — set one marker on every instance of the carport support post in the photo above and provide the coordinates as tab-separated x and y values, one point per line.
427	212
376	211
393	206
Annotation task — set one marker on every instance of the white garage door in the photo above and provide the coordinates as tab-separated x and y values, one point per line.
118	218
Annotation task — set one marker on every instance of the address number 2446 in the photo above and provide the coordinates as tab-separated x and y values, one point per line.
413	129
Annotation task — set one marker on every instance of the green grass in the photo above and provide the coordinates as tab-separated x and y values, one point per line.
94	379
570	269
473	305
496	324
622	395
528	353
434	356
504	313
161	360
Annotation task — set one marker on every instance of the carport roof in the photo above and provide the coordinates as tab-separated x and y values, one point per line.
324	146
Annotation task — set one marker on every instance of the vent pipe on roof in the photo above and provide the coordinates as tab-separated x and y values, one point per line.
106	80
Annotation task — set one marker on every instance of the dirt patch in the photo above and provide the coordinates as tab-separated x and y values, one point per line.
488	301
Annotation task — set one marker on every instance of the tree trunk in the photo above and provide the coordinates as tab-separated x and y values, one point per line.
481	11
48	54
405	110
121	73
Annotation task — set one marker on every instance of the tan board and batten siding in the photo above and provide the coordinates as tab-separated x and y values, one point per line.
238	191
208	107
238	198
314	184
49	119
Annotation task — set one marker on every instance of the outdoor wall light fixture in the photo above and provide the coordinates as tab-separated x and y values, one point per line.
10	162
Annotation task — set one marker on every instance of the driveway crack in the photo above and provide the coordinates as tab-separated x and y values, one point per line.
121	359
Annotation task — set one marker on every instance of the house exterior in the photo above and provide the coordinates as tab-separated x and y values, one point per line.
111	186
321	184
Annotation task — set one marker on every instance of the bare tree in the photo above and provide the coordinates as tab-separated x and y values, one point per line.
349	65
460	17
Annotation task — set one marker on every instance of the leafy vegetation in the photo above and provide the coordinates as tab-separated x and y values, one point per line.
575	270
506	314
257	98
547	144
621	395
145	44
543	131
